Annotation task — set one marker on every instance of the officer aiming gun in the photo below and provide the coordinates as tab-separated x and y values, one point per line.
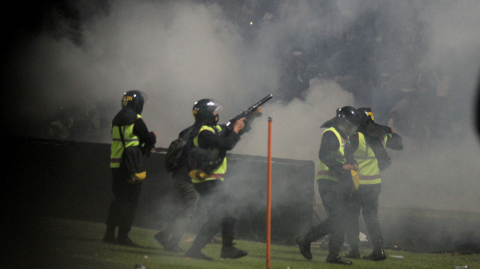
249	114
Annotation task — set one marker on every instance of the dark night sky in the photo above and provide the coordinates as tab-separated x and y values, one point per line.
23	16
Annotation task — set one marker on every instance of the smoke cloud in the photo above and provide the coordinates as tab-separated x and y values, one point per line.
181	51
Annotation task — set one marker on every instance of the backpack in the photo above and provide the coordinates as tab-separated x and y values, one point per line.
175	151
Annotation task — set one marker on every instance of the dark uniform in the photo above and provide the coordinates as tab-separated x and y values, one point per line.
209	135
366	198
335	184
171	235
126	191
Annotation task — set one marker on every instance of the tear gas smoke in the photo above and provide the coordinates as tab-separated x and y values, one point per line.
180	52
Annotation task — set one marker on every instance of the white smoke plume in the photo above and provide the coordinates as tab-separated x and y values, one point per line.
181	51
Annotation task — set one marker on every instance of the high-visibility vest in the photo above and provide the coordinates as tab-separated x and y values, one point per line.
367	162
117	145
339	155
218	173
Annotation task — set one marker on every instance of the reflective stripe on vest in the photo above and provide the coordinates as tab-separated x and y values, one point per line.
367	162
323	171
218	173
117	145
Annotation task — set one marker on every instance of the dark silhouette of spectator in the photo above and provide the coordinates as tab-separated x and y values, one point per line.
61	127
90	126
295	78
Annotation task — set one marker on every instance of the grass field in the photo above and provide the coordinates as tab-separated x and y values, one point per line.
77	244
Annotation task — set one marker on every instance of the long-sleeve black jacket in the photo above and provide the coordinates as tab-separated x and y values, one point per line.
144	135
223	141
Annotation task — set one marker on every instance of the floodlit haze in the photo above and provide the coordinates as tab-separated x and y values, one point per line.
180	51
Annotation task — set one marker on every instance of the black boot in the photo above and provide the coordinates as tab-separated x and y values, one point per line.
174	248
231	252
377	254
353	254
335	243
304	246
109	236
126	241
228	250
179	227
338	260
123	239
161	238
195	251
197	254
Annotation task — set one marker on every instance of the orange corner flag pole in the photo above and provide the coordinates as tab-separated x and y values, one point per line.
269	189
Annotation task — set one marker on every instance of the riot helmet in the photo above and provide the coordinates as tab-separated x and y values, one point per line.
347	120
203	111
135	99
366	115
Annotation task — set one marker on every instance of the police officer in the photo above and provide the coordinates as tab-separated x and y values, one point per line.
170	236
218	139
335	183
126	191
369	158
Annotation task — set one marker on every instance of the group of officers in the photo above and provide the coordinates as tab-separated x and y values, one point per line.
352	154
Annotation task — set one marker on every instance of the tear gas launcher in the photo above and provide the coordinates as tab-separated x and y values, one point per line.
249	114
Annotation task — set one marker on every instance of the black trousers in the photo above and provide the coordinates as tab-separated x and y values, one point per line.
365	199
220	214
336	198
189	198
122	209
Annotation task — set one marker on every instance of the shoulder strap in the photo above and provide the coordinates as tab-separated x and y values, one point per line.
187	134
121	135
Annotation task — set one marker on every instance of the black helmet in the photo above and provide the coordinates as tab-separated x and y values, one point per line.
203	111
348	120
134	99
366	115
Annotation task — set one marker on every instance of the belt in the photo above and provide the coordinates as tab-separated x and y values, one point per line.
377	176
216	176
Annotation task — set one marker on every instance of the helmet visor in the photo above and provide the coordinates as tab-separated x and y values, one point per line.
347	128
213	106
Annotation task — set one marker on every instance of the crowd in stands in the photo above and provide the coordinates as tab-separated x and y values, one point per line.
86	122
377	50
379	56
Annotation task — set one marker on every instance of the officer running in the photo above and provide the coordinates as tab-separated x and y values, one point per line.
217	138
170	236
335	183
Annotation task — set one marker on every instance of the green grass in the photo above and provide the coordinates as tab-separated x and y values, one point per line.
77	244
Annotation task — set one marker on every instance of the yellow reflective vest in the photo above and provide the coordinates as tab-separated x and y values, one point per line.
339	155
367	162
117	145
218	173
